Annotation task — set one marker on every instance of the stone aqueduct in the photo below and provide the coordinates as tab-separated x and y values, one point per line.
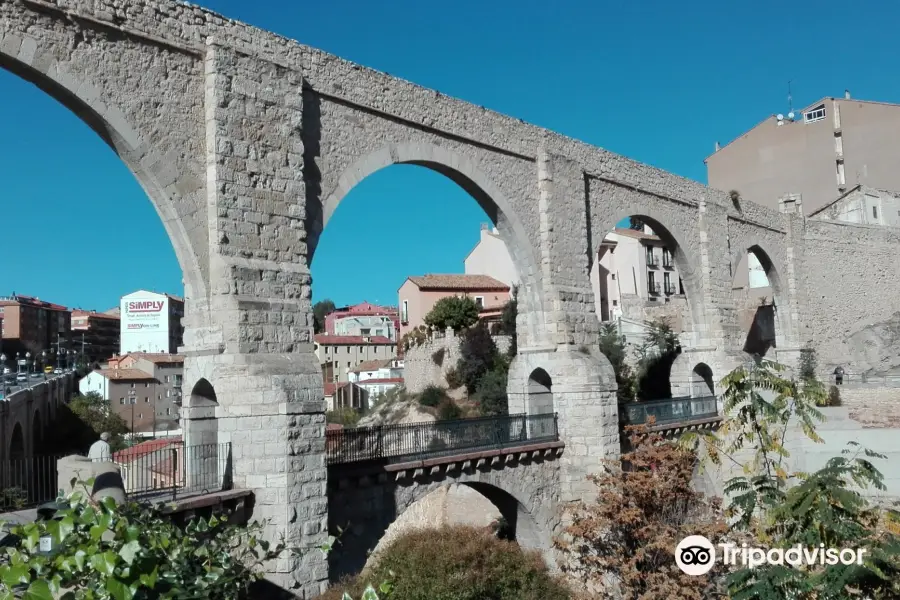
246	142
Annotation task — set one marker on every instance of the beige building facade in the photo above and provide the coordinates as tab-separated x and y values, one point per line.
340	354
490	257
419	294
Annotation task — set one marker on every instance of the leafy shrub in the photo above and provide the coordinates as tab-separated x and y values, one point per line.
458	563
346	416
452	312
105	551
834	396
432	395
449	411
453	379
645	505
478	355
613	346
491	393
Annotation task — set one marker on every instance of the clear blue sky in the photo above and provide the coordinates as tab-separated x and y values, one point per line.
655	80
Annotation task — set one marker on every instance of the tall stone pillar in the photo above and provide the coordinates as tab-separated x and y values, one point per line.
565	359
798	333
251	372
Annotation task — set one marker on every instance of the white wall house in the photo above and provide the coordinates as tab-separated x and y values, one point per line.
491	257
94	381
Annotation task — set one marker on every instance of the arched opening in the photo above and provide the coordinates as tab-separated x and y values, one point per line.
17	449
421	195
518	525
206	460
702	383
540	393
762	314
646	298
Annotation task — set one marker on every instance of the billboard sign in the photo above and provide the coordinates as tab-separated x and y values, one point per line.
144	323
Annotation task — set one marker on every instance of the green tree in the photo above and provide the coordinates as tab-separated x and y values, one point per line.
782	509
453	312
657	352
321	309
80	423
346	416
491	393
612	345
478	355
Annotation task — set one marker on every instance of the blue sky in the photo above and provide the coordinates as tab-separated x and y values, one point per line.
655	80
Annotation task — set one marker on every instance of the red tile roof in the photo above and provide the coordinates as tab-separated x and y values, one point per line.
333	427
349	340
380	381
157	358
92	313
461	282
125	374
144	448
372	365
330	387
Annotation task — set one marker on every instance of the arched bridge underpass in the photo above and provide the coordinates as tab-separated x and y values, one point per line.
376	473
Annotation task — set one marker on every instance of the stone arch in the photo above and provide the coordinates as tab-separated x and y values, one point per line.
782	313
27	58
202	404
540	392
463	172
702	383
17	449
673	237
467	503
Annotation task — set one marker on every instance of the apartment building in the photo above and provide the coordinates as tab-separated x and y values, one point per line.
144	389
419	294
151	322
95	335
819	153
363	319
633	267
340	354
34	325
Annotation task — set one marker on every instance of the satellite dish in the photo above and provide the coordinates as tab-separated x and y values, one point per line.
780	117
791	115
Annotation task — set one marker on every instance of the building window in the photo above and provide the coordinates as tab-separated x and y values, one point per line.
348	349
613	276
816	114
841	180
360	349
146	385
670	289
167	379
874	212
667	258
651	283
122	401
615	302
132	385
479	301
404	312
374	349
680	287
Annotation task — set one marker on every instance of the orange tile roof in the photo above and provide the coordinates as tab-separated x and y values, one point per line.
90	313
461	282
144	448
372	365
331	340
125	374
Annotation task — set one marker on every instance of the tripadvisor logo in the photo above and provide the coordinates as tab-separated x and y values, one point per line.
696	555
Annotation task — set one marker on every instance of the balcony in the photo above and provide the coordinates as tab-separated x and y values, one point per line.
667	261
670	289
652	261
653	289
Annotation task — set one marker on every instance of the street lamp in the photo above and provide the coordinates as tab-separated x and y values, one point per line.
131	400
27	360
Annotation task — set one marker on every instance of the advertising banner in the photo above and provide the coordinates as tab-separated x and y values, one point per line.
145	323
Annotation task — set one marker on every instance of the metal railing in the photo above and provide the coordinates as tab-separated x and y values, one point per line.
652	261
671	410
863	379
417	441
653	288
27	482
670	289
175	471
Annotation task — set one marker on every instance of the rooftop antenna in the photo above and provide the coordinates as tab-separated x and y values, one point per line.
790	102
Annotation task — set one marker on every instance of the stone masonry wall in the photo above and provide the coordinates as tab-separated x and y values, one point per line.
873	406
420	369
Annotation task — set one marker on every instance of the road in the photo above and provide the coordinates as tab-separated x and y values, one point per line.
14	386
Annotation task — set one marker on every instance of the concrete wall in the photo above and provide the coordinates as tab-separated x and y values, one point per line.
420	369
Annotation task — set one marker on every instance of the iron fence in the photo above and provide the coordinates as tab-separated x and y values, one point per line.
417	441
671	410
168	473
175	471
27	482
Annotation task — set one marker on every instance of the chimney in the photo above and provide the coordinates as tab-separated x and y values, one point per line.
846	94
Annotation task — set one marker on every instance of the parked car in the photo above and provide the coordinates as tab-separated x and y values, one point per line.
22	378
